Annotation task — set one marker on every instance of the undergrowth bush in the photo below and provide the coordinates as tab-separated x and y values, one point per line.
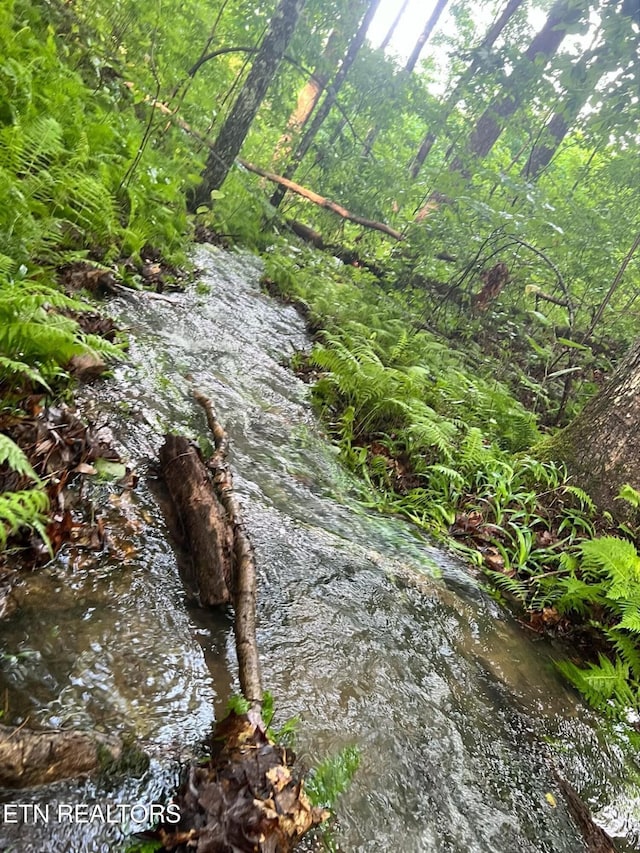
454	452
76	182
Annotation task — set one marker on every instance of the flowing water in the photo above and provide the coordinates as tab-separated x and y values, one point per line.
366	632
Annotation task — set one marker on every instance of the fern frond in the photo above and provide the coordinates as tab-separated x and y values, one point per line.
15	458
472	451
9	365
630	610
615	560
577	596
513	586
604	685
25	508
450	474
626	647
585	500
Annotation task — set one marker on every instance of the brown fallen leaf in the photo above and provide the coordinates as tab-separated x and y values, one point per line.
84	468
86	366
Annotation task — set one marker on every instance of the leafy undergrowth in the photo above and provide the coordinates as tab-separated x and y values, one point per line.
82	205
450	449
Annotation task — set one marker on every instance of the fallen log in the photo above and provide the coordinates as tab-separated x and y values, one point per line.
323	202
203	520
29	758
243	586
222	561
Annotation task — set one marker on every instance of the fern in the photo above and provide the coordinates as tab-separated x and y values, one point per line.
26	508
472	453
332	777
614	560
585	500
15	458
604	685
572	594
11	366
626	648
513	586
630	613
630	495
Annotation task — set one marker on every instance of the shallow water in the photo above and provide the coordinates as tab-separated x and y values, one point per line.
368	633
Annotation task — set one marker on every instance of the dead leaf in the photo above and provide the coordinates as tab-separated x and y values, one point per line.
84	468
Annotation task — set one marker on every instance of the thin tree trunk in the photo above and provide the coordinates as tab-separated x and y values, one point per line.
323	111
429	27
309	96
579	83
544	45
384	44
614	286
488	41
237	124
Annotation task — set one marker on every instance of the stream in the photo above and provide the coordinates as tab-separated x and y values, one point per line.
366	632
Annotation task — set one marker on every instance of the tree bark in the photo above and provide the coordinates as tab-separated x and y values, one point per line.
236	126
203	520
488	41
323	111
534	60
601	447
220	550
243	583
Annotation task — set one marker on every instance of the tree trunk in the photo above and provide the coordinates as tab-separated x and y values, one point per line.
601	447
580	82
488	41
384	44
323	111
534	60
309	96
236	125
429	27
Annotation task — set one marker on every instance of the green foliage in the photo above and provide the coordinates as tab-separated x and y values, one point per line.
44	339
602	582
437	442
605	685
24	508
238	704
630	495
15	458
332	777
143	847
